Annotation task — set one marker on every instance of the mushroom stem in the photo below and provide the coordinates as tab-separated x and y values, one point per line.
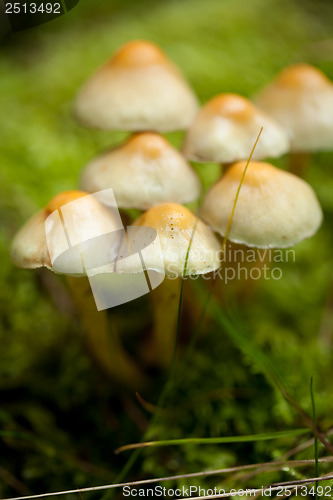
104	345
165	310
298	163
224	167
239	283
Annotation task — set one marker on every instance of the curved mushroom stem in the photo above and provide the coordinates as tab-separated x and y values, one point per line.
298	163
165	311
105	346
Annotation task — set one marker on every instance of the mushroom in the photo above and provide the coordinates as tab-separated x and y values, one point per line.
144	171
65	237
52	237
188	247
176	227
301	100
275	209
225	129
139	88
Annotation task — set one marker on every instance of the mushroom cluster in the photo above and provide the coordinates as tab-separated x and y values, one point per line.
139	90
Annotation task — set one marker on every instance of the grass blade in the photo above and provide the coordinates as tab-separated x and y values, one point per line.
314	417
181	293
218	440
243	341
238	190
165	391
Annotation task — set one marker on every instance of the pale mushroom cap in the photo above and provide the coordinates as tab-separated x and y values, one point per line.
301	100
226	128
139	88
175	226
71	218
275	209
29	248
143	172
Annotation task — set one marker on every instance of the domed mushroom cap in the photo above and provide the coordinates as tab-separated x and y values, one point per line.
56	232
274	208
139	88
175	226
301	100
144	171
226	128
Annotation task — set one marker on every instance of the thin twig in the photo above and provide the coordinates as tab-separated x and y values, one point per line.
293	463
272	466
272	487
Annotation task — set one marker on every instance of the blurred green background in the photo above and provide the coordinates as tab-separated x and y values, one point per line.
60	418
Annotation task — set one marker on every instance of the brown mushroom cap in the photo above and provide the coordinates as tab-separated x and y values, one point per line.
58	230
226	128
175	226
301	100
139	88
274	208
144	171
